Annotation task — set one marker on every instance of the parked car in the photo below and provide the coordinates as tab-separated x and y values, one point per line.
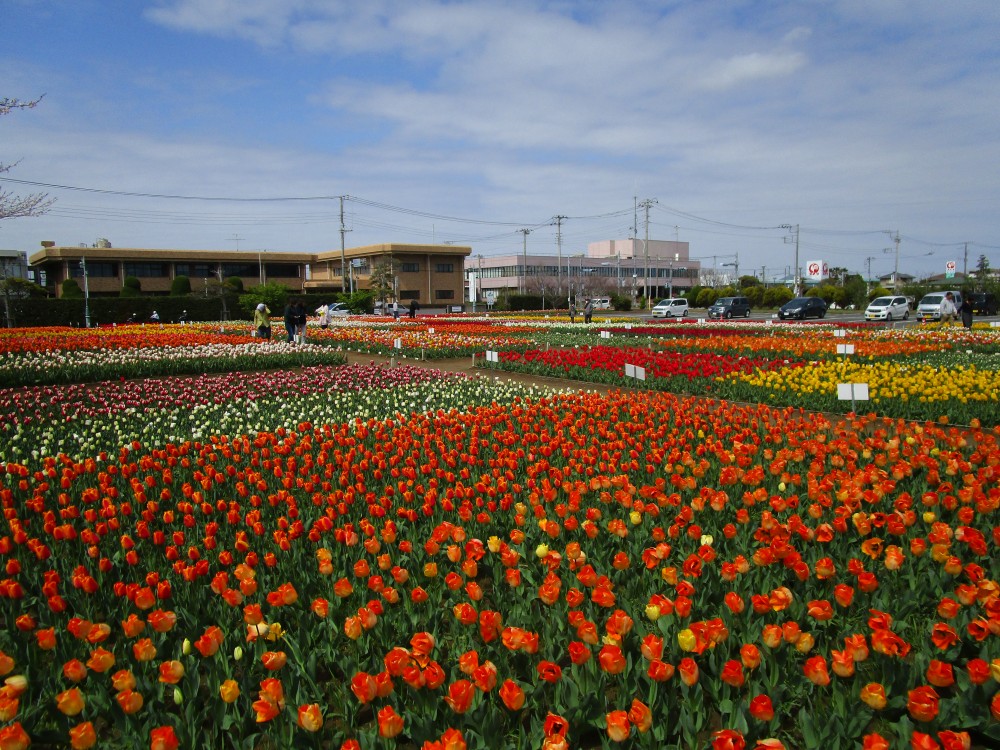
930	304
888	308
671	308
801	308
601	303
730	307
335	310
984	303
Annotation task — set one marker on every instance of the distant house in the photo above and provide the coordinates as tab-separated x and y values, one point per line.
890	281
942	280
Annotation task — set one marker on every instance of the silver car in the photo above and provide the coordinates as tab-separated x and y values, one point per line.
888	308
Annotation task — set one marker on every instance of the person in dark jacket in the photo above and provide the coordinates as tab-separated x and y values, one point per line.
290	322
965	310
414	306
300	323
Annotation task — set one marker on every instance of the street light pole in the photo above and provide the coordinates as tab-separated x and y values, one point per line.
86	291
524	264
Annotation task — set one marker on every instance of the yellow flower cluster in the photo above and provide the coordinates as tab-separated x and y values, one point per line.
886	380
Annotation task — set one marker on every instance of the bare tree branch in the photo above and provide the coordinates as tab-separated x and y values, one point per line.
14	206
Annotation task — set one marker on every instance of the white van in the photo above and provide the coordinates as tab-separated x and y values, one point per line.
929	307
601	303
671	308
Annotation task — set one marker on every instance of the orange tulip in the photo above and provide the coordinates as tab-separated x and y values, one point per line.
761	708
732	673
390	724
101	660
229	691
273	660
922	703
82	736
618	726
512	695
144	650
688	669
171	672
74	670
641	716
940	674
13	737
130	701
123	679
612	660
815	670
873	695
163	738
460	695
70	702
310	717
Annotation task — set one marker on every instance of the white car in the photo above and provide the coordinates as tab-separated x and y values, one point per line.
333	310
671	308
888	308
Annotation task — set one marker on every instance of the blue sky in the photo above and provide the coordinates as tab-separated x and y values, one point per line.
465	121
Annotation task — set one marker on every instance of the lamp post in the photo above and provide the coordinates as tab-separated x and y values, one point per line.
86	292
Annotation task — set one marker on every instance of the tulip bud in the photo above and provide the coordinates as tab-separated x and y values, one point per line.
178	696
237	653
707	539
541	550
186	647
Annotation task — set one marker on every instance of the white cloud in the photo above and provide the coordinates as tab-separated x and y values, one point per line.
755	66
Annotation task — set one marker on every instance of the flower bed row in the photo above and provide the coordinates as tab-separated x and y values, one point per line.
546	573
89	365
86	420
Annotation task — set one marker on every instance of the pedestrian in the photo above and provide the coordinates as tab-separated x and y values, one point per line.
414	306
290	322
948	309
300	322
965	310
588	311
183	319
155	317
262	321
572	312
395	310
324	316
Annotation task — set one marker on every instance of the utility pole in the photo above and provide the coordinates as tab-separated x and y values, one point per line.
343	252
647	204
795	272
868	278
86	291
236	238
524	268
559	221
895	268
965	263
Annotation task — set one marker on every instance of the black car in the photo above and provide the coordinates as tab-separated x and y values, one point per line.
730	307
984	303
801	308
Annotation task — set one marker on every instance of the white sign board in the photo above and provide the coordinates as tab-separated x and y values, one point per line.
852	391
492	356
845	348
605	334
817	270
398	343
634	371
840	332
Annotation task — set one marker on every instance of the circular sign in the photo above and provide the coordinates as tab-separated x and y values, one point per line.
813	269
950	265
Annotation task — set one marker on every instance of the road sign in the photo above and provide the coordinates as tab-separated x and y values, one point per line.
949	269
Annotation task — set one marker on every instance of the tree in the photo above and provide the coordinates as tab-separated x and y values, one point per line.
382	280
272	294
180	286
14	206
131	287
71	289
983	269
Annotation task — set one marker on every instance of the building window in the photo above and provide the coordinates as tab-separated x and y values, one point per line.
95	270
248	270
445	294
280	271
146	270
445	268
195	270
409	267
409	294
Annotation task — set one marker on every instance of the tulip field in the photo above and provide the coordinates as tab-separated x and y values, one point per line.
212	541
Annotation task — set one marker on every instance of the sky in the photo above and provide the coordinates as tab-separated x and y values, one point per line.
246	124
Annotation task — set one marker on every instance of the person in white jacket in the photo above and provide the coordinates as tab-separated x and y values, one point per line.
948	309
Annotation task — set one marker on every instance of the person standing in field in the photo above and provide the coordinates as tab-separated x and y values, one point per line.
262	321
948	309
